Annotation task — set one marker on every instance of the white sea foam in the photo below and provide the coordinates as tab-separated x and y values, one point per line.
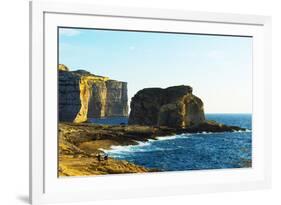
141	146
148	146
118	149
167	137
173	137
247	130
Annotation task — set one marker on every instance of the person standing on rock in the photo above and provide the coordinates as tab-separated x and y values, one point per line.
99	157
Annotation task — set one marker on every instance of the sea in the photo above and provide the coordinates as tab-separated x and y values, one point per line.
188	151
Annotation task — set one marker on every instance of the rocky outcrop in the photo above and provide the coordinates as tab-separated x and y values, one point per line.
172	107
83	95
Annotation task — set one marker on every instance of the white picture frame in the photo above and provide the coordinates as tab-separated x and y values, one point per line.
45	187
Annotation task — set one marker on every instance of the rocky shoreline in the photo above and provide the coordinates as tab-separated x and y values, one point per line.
79	143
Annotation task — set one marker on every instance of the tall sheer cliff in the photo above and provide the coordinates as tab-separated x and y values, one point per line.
83	95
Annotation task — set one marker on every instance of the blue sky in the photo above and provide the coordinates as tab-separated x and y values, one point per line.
219	68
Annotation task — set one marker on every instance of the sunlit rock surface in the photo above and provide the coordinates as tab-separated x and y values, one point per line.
83	95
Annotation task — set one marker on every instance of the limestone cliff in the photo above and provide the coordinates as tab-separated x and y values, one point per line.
173	107
83	95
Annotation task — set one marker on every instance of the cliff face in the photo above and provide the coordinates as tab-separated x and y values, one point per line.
117	99
83	95
173	107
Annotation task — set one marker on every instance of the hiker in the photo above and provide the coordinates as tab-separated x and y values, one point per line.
99	157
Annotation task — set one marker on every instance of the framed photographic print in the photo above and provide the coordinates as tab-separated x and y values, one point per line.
129	102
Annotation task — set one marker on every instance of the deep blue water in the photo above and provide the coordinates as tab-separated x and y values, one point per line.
192	151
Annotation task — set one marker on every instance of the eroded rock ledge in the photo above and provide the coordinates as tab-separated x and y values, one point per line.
83	95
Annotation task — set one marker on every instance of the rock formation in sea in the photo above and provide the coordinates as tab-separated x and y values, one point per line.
172	107
83	95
